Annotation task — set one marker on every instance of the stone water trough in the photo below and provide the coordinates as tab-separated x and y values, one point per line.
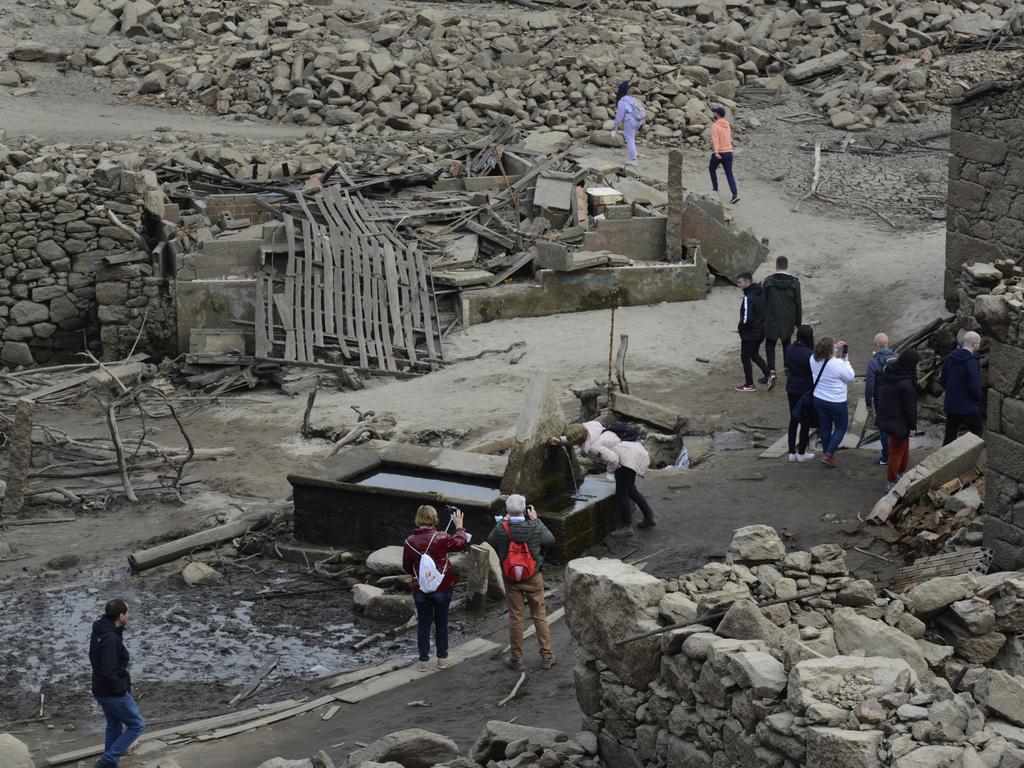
366	497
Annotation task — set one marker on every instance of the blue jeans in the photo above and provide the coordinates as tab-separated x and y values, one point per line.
833	419
432	609
726	163
124	726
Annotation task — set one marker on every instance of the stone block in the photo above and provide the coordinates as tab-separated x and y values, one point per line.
962	249
1006	369
977	148
411	748
762	673
607	600
728	251
15	353
816	67
840	748
755	544
854	632
1010	420
814	681
932	597
1002	694
1006	455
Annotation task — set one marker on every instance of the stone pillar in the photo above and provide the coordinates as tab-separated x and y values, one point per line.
674	231
20	458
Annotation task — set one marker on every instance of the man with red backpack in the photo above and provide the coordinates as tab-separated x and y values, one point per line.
519	539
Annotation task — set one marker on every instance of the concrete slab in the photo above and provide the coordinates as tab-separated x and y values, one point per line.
728	251
638	409
600	288
636	191
213	304
641	238
554	192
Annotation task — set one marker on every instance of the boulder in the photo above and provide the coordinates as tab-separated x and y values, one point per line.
497	735
411	748
29	50
15	353
1009	606
857	593
935	595
281	762
675	607
607	600
201	575
745	621
28	312
13	753
1002	694
841	748
755	544
762	673
854	632
977	649
931	757
395	609
815	681
363	593
976	615
386	561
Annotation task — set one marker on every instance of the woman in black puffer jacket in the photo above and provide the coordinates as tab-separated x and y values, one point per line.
897	411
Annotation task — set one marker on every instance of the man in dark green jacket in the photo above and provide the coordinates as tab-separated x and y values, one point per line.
783	313
525	528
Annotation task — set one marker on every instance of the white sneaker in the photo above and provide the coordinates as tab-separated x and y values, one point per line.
805	456
792	457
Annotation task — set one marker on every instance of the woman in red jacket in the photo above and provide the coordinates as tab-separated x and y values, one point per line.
432	605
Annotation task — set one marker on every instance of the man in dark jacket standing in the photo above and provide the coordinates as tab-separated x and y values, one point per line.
897	412
783	313
751	330
961	378
881	355
527	529
112	685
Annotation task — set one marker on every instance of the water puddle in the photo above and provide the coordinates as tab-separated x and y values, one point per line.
450	486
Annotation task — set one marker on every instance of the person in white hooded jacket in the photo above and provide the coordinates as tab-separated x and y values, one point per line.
625	459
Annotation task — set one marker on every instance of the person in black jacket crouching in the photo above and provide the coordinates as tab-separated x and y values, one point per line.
112	685
897	411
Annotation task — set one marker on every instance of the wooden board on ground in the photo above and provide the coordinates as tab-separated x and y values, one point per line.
468	650
776	449
359	675
855	431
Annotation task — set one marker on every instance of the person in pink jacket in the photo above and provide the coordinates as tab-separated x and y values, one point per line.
625	459
721	153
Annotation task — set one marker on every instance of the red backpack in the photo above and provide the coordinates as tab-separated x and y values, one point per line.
519	564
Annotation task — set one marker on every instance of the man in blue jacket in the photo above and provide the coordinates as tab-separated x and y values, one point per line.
112	685
961	378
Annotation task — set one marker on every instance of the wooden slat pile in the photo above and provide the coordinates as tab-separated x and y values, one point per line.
352	287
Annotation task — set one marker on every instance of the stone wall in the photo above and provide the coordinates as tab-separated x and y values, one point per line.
76	274
845	678
985	204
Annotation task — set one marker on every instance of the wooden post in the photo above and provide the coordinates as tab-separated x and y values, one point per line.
611	350
20	458
674	224
479	572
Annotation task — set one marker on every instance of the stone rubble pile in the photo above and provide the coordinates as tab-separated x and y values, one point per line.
554	71
846	678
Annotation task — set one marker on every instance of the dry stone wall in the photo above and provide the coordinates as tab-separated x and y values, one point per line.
63	213
847	678
985	204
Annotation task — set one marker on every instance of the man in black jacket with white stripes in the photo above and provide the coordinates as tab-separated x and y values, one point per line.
751	329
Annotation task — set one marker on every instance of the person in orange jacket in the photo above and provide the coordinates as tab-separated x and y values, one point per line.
721	152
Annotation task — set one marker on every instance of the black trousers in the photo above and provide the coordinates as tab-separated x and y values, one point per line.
750	352
955	421
804	427
626	493
769	351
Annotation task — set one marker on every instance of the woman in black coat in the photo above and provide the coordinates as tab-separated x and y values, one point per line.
798	381
897	411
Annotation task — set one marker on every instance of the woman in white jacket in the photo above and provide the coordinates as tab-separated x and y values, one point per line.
832	373
624	458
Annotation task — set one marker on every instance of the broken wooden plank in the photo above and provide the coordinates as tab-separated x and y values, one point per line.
359	675
262	346
250	689
288	304
144	559
855	432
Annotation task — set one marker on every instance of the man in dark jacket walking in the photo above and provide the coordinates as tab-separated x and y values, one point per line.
751	330
961	378
783	313
881	356
112	685
526	529
897	412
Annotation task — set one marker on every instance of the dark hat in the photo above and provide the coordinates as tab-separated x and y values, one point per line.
720	111
623	88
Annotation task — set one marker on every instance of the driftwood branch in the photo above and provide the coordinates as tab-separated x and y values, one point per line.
620	364
515	690
122	463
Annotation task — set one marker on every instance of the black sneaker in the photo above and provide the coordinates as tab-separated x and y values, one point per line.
734	200
763	380
646	524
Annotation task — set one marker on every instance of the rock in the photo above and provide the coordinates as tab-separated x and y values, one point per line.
29	50
13	753
676	608
797	561
1009	606
154	82
363	593
201	575
28	313
763	674
816	67
976	615
5	549
909	713
745	621
839	748
547	142
936	655
606	600
497	735
281	762
386	561
935	595
930	757
854	632
911	625
755	544
977	649
412	748
856	593
15	353
395	609
815	681
1002	694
